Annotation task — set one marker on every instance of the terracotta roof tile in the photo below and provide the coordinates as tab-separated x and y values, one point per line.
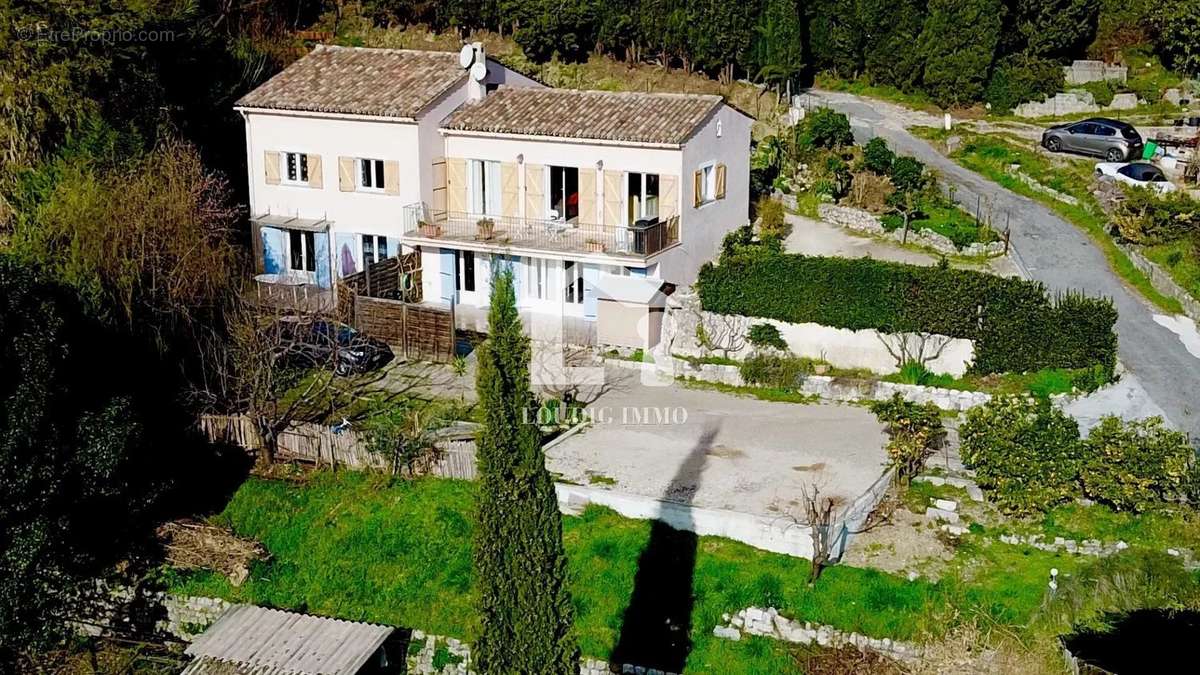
387	82
599	115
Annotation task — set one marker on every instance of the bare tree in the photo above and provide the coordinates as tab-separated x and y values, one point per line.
914	347
406	435
818	516
721	332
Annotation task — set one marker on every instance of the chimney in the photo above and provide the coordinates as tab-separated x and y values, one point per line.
477	74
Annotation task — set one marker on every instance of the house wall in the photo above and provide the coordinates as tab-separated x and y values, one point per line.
705	226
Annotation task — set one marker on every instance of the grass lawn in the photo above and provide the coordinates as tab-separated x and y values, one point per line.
355	546
1044	382
991	157
947	220
1180	259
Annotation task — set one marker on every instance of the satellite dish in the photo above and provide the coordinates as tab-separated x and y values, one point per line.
479	72
466	56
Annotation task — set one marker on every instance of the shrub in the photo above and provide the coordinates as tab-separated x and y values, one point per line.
1135	465
774	370
826	128
915	372
959	40
766	335
878	157
1025	452
908	174
1016	326
1101	91
1145	217
916	431
772	223
1019	78
870	191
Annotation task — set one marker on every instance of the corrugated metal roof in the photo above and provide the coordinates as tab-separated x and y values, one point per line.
599	115
249	640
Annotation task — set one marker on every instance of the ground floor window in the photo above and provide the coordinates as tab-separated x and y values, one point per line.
303	251
464	280
374	249
573	275
537	278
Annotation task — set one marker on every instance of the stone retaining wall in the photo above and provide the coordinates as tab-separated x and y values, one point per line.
867	223
1163	282
770	623
1082	71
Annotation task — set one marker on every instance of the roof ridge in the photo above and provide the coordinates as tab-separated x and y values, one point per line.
605	92
380	50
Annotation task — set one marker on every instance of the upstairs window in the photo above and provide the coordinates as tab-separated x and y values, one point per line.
370	174
295	168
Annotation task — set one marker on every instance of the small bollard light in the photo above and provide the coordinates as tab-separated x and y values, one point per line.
1053	580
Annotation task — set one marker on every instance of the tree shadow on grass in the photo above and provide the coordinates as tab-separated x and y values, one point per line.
656	628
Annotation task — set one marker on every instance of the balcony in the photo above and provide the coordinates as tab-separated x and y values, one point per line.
638	242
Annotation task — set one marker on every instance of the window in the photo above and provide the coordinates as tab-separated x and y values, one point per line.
573	274
563	196
464	279
641	198
295	168
708	183
374	249
483	186
370	174
1104	130
303	251
537	278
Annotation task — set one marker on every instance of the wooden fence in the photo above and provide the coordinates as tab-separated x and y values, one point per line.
318	444
419	331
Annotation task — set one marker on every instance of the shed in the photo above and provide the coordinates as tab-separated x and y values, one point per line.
629	310
250	640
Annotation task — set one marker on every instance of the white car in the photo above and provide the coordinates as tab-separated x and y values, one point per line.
1137	174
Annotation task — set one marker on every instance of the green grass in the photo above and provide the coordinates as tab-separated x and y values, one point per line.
862	87
991	156
947	220
1171	527
710	359
1180	259
1040	383
760	393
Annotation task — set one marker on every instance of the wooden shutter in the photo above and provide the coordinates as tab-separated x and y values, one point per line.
456	185
697	184
668	197
535	191
587	195
439	184
720	182
316	177
614	181
346	174
271	165
510	190
391	177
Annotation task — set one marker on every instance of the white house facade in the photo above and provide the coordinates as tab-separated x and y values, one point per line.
357	154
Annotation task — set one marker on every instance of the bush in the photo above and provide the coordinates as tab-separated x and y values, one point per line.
908	174
826	128
1102	91
959	41
772	223
774	370
766	335
915	372
878	157
1025	452
871	192
916	431
1135	465
1019	78
1016	326
1145	217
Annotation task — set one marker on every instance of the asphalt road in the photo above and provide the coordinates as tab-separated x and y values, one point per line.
1061	256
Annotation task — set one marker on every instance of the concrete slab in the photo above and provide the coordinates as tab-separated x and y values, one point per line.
720	451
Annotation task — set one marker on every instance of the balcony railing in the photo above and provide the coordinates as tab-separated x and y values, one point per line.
641	240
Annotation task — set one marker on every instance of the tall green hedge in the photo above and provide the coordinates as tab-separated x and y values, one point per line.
1016	325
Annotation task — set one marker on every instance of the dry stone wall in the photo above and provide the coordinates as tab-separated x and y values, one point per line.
867	223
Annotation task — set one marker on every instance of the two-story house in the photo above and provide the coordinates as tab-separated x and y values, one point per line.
355	153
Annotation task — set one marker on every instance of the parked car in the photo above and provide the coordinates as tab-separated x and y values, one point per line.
1114	140
1138	174
319	343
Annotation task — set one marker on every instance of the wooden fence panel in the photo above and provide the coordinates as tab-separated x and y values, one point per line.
419	331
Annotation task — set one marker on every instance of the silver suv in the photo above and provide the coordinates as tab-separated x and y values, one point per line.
1113	140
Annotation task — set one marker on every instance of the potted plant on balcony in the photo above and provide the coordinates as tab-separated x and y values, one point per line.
487	228
595	246
429	229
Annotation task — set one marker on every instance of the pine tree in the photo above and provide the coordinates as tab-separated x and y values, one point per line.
520	565
959	42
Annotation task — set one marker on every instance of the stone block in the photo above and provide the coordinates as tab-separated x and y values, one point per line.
727	632
940	514
1127	101
946	504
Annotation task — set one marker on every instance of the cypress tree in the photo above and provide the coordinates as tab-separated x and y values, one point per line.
520	566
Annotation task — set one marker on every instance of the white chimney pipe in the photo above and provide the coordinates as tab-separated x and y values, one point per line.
477	87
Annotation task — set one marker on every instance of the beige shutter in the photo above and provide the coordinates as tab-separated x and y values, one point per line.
391	177
346	174
316	177
697	183
535	191
510	190
587	195
668	196
439	184
271	164
720	181
456	185
613	182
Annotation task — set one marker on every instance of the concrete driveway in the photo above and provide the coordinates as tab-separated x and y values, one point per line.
720	451
1057	253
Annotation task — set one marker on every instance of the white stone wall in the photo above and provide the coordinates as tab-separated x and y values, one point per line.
867	223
